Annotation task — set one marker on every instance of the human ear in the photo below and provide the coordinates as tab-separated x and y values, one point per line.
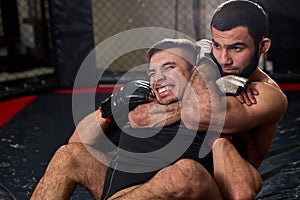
265	45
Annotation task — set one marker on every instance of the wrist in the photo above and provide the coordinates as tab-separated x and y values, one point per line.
100	118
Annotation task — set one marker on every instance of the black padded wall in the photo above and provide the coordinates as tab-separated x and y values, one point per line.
72	36
284	29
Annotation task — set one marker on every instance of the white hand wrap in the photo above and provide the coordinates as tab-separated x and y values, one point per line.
232	84
205	48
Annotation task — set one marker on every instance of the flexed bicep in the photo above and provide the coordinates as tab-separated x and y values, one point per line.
271	105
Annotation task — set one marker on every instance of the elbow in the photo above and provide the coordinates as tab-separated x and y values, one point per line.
193	121
188	120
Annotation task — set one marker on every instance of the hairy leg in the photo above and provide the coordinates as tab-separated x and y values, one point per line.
72	164
186	179
236	177
122	193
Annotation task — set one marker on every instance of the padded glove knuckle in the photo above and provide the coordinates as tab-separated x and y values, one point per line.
128	97
232	84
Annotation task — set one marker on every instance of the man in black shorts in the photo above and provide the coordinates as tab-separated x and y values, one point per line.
171	63
143	152
237	45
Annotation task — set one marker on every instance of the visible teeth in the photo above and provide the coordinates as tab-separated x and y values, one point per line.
160	90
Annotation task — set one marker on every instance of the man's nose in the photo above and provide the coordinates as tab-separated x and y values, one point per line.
225	58
158	77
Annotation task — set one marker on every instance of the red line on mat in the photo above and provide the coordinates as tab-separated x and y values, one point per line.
9	108
283	86
87	90
290	86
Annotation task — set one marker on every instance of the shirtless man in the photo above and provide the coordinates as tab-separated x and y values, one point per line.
239	37
238	48
172	58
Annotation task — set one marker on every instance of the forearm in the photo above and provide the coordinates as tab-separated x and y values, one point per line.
202	106
154	114
89	129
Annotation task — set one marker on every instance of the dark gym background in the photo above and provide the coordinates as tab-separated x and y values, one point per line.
43	43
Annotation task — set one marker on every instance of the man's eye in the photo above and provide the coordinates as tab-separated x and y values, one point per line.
151	74
168	67
216	46
236	49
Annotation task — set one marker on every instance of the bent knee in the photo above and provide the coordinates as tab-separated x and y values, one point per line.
189	165
72	148
183	178
66	155
190	172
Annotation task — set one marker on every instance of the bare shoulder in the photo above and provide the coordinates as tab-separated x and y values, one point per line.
269	88
271	96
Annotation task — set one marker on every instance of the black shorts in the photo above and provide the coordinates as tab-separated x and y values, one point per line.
148	156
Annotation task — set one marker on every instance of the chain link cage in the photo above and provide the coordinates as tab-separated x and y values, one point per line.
192	17
189	17
30	38
25	34
25	47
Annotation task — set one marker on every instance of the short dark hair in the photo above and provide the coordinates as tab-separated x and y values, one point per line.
245	13
169	43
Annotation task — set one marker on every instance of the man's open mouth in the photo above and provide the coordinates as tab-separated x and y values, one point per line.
162	89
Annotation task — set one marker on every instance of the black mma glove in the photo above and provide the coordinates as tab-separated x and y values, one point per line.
126	99
232	85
